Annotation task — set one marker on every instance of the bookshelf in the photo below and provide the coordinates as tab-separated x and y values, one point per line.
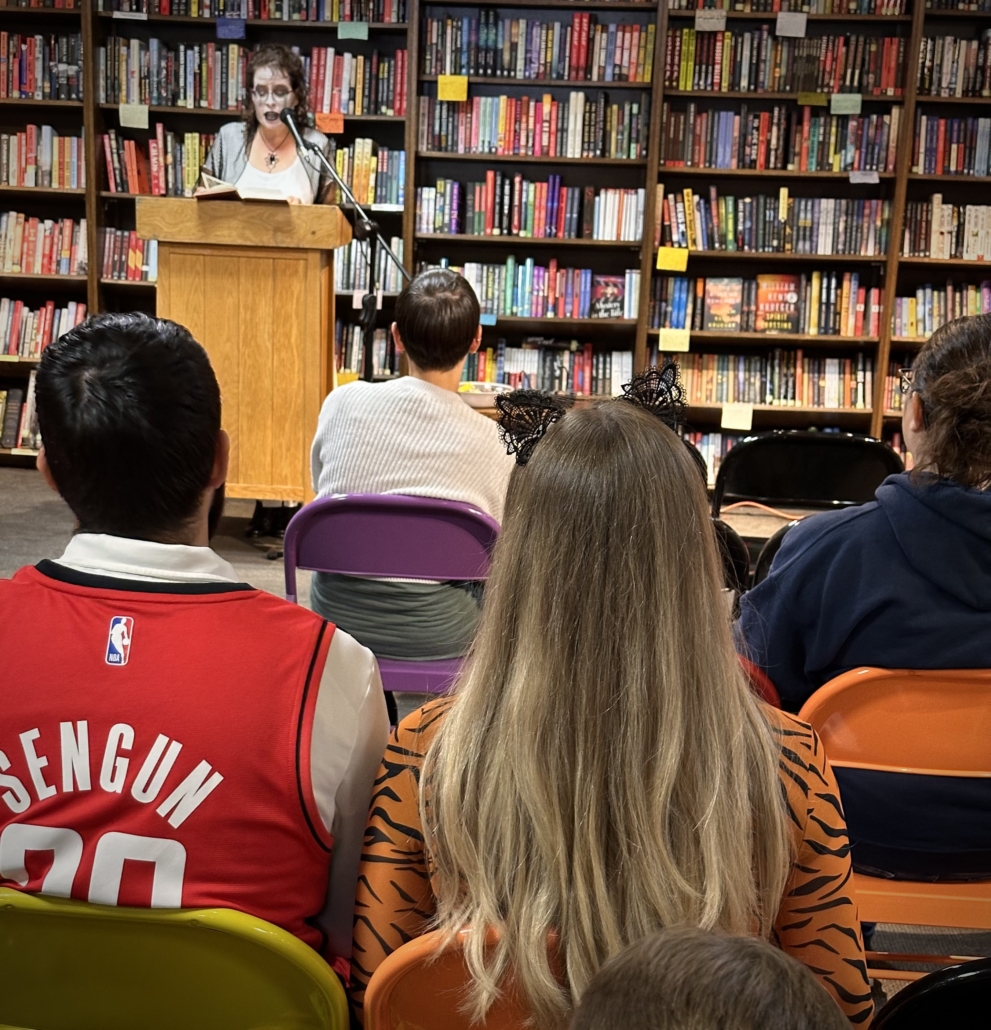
905	183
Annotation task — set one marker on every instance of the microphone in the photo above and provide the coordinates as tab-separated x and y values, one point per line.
289	120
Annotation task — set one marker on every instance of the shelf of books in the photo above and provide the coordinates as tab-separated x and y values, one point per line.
812	222
532	146
43	224
779	194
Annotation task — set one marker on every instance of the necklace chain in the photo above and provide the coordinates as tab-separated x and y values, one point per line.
273	157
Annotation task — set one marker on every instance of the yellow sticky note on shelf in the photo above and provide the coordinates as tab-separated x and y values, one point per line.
672	259
674	340
813	99
737	416
331	122
452	87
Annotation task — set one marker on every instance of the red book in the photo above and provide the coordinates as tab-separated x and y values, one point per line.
940	146
764	132
15	327
551	285
48	319
111	178
143	177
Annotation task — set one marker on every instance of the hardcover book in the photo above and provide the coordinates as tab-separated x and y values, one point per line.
607	296
777	304
723	305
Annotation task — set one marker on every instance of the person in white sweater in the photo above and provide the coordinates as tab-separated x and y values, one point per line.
412	436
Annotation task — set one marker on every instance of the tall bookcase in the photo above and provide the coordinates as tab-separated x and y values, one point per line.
894	275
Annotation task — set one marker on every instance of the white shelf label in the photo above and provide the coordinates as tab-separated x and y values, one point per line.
791	23
737	416
710	21
864	178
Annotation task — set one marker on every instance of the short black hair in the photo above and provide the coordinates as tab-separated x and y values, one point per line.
129	411
437	318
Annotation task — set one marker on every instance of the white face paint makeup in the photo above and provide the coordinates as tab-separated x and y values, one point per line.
271	92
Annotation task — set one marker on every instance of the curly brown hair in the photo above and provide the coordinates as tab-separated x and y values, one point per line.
952	376
275	55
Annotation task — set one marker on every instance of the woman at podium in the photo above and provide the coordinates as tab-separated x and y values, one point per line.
258	155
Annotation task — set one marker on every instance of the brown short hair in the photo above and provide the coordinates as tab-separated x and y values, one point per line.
437	318
953	380
275	55
688	979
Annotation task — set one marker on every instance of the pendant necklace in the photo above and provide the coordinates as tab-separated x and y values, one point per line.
272	158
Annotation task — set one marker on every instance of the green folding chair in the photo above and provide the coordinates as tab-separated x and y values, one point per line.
67	965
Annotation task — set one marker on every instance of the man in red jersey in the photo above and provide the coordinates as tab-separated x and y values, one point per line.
170	736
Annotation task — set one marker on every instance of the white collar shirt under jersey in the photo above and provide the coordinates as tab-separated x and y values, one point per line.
350	724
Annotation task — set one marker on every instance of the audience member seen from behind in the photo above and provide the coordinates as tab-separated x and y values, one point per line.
415	436
905	581
687	979
155	708
602	770
259	153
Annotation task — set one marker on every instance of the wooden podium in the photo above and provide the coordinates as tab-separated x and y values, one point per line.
254	283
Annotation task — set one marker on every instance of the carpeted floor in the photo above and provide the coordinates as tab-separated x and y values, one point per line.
36	524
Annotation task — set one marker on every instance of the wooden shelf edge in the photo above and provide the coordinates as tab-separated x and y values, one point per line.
538	241
759	173
440	155
773	338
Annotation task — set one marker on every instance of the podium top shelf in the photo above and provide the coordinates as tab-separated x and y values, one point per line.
242	223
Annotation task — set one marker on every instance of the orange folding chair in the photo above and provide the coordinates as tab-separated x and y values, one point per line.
422	986
931	723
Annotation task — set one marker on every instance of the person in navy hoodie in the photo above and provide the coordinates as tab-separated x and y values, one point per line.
903	582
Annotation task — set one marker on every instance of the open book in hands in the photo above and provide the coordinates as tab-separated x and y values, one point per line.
216	189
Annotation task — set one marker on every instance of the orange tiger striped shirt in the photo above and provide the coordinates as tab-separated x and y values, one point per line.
816	924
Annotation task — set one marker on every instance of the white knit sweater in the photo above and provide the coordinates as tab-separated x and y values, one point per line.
408	437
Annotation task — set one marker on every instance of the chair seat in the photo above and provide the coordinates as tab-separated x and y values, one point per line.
419	677
963	905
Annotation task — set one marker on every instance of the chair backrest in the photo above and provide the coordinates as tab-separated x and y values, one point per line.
389	535
422	986
935	723
735	556
808	469
912	754
958	997
769	550
67	965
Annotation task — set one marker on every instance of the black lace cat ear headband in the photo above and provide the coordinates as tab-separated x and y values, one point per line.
526	415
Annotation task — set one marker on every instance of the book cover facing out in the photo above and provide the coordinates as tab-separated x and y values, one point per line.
607	296
723	305
777	304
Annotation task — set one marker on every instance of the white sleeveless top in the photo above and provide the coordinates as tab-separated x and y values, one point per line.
291	182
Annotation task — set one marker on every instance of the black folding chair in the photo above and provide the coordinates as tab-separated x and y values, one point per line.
957	997
794	467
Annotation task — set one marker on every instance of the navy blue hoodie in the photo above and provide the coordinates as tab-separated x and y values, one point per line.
902	583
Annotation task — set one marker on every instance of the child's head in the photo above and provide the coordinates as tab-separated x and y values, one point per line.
687	979
437	320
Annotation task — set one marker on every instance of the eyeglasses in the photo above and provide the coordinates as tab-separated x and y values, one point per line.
279	95
907	377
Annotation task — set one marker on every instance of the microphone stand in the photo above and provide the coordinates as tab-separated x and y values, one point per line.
364	228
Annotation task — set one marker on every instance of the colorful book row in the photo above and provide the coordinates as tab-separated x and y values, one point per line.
776	225
813	304
582	126
38	156
757	61
538	48
783	137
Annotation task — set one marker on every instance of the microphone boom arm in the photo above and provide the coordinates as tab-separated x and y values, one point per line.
361	215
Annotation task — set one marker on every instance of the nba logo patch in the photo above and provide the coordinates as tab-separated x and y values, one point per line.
119	641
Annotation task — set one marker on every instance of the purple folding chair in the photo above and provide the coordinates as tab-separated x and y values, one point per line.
392	536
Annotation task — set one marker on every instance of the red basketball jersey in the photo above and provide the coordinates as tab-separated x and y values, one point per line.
154	745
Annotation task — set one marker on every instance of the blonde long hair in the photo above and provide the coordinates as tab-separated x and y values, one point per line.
604	770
